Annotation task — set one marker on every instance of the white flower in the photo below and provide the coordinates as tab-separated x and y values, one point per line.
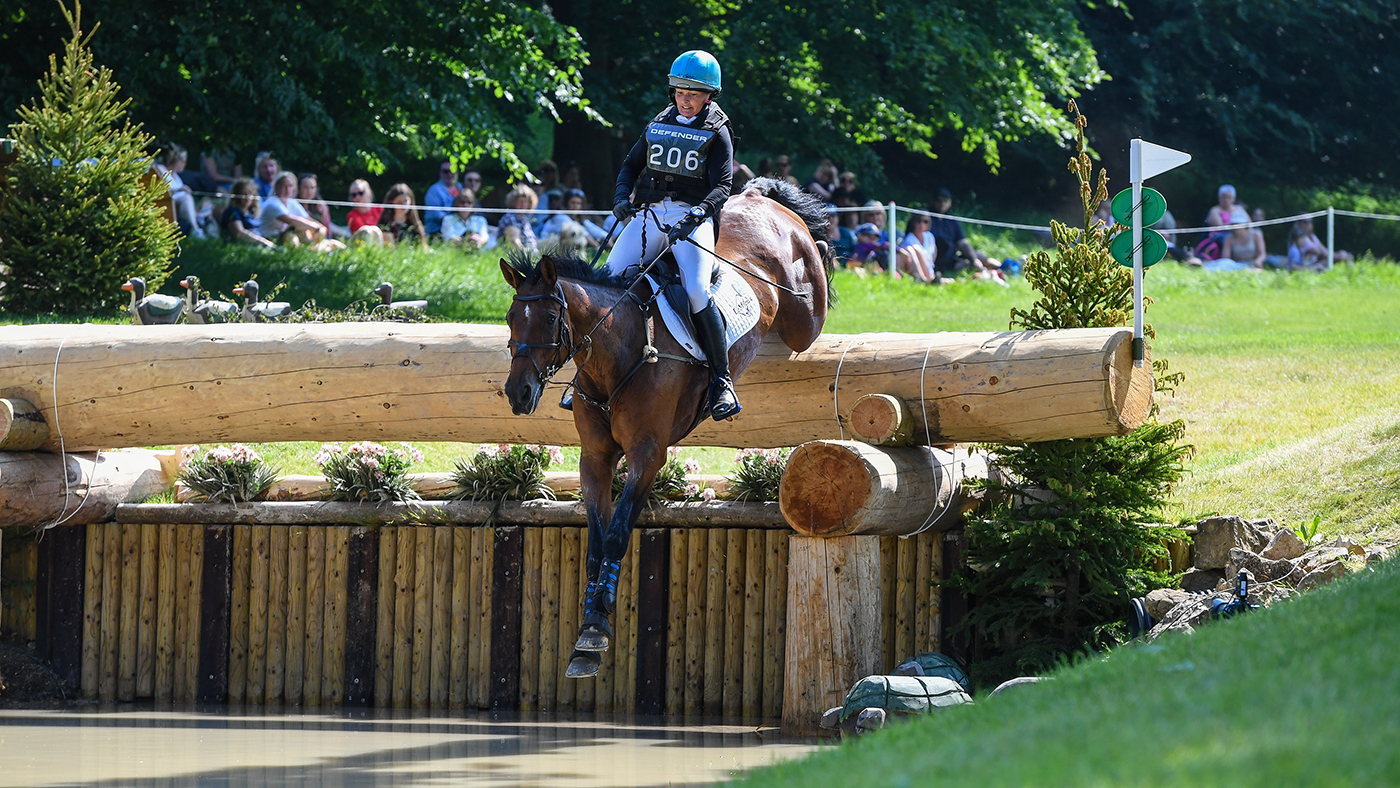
556	455
692	490
486	451
707	494
692	465
673	451
369	462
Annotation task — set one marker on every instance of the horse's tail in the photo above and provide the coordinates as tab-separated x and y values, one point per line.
811	209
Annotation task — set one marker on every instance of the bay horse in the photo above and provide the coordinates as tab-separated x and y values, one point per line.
566	309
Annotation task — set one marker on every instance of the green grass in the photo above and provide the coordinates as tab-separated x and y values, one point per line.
1304	693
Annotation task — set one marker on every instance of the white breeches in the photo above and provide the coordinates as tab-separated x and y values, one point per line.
697	265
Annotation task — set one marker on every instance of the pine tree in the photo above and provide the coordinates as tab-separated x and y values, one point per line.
1055	560
80	214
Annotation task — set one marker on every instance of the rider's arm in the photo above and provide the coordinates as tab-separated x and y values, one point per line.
631	168
720	164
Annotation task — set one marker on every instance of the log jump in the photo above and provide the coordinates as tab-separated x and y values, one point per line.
132	386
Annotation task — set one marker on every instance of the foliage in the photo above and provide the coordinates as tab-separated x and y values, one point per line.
362	84
1063	545
505	473
226	473
368	471
1308	529
759	474
80	216
670	483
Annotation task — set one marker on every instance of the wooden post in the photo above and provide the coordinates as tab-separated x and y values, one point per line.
384	634
92	610
508	555
460	627
111	611
337	567
833	632
653	615
675	625
713	690
882	420
165	614
570	609
549	620
441	648
238	615
755	557
734	622
278	544
257	615
131	610
774	621
403	614
294	684
60	606
314	654
361	615
216	592
953	603
530	622
146	626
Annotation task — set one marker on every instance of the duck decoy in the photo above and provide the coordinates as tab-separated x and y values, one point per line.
386	300
199	310
154	309
260	312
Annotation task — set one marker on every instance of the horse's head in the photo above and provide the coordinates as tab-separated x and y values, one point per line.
540	338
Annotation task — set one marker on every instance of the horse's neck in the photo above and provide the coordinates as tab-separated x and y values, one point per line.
589	304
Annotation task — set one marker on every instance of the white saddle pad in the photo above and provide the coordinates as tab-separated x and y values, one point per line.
736	302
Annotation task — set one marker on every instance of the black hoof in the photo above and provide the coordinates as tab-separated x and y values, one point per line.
583	664
592	639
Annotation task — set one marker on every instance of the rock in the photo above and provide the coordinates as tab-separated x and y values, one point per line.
1375	555
831	718
1267	525
1346	543
1161	601
1262	569
872	719
1216	535
1319	557
1185	617
1198	580
1323	575
1285	545
1017	682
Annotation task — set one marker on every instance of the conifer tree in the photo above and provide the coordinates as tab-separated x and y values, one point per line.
81	213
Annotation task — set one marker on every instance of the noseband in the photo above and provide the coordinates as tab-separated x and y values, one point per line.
563	336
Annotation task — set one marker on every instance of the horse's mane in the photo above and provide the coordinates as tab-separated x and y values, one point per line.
567	265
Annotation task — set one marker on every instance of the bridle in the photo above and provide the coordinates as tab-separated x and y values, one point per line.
563	336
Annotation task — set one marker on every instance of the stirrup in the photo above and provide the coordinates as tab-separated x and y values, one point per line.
567	401
583	664
724	403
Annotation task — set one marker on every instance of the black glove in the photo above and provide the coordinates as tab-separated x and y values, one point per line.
682	228
623	211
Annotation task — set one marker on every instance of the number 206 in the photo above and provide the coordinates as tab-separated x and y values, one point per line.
673	157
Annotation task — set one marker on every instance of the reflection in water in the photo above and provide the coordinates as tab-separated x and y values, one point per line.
225	747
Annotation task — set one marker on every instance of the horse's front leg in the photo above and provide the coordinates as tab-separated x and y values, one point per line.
596	465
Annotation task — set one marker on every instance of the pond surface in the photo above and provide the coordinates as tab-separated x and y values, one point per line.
224	747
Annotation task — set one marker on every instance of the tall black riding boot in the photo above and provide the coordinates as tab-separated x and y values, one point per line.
709	332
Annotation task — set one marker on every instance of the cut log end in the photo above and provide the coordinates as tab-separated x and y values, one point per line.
824	487
882	420
22	426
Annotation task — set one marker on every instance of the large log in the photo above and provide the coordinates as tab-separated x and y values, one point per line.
154	385
33	489
845	488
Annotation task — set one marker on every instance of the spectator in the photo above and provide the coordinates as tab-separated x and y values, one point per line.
765	168
823	180
515	226
839	237
218	171
1167	227
782	169
868	249
918	250
1225	211
955	252
590	234
239	222
572	179
363	221
287	221
181	196
1307	252
309	195
1275	261
1244	248
265	169
471	179
846	195
874	213
463	226
401	223
548	189
440	195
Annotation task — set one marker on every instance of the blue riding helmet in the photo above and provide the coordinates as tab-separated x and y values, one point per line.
696	70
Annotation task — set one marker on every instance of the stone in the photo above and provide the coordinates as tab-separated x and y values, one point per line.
871	719
1347	543
1319	557
1375	555
1285	545
1186	616
1198	580
1267	525
1161	601
1262	569
1018	682
1216	535
831	718
1323	575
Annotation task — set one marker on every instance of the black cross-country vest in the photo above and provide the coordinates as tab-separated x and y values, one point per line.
677	156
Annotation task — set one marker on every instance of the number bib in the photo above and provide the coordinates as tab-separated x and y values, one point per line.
677	150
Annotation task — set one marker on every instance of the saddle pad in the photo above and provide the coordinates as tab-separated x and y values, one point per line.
736	303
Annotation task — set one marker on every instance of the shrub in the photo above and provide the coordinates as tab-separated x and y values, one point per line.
759	474
226	474
80	215
368	471
670	483
505	473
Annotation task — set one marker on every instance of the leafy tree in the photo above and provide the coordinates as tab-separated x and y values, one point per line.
1058	555
79	214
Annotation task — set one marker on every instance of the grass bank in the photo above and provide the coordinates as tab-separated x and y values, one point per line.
1303	693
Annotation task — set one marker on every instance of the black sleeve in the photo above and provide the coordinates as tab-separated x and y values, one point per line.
721	172
631	168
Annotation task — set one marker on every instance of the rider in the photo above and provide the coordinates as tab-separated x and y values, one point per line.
678	176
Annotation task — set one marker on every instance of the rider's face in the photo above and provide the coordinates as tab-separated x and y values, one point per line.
690	102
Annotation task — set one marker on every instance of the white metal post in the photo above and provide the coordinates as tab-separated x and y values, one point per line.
894	244
1331	216
1136	172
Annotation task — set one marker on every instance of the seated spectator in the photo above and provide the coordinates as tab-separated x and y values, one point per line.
1243	249
309	195
471	179
868	249
571	179
362	221
955	252
918	249
265	170
463	227
1275	261
217	172
782	170
823	180
574	202
1167	227
839	237
239	222
515	226
846	195
286	221
875	214
765	168
401	224
1307	252
181	197
548	190
1226	211
440	195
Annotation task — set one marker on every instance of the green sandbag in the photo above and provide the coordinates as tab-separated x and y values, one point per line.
908	694
933	664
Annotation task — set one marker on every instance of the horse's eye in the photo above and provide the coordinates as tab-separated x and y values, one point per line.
553	318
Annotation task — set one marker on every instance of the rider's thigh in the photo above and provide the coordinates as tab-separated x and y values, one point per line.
697	265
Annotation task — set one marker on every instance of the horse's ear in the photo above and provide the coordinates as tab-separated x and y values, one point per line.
548	274
512	276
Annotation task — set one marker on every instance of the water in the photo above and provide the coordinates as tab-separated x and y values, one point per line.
223	747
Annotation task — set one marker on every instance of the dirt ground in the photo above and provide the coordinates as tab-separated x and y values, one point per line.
25	681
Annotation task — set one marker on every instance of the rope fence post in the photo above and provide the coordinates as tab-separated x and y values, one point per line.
894	245
1331	217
